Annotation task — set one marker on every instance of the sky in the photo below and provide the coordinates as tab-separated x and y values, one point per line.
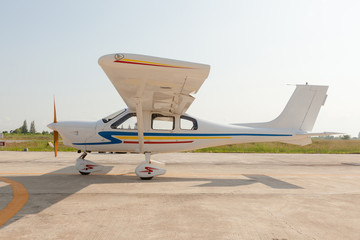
255	49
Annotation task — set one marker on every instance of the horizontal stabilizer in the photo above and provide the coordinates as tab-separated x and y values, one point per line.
305	138
321	134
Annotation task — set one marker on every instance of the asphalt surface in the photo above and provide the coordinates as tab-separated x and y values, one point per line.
202	196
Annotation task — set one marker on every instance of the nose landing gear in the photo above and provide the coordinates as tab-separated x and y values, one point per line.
85	167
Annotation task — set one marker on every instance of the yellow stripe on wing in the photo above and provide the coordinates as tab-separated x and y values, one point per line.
152	63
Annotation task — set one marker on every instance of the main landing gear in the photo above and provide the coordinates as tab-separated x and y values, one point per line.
145	170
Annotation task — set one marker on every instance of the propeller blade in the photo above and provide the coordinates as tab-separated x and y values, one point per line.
56	133
55	121
56	142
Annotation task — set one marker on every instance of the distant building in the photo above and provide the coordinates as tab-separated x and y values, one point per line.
359	135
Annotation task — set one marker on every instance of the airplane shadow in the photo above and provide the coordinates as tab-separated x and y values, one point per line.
221	182
66	181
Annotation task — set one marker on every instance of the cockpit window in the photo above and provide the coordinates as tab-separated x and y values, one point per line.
161	122
112	116
188	123
127	122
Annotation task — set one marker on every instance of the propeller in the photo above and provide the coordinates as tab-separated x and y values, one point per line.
56	133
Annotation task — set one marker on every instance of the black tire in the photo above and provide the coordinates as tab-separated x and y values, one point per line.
84	173
146	178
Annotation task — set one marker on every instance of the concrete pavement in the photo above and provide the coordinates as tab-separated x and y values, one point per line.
202	196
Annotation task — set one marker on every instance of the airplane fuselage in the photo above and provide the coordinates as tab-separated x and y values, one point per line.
162	133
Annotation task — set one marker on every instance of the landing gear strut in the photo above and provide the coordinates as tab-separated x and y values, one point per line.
146	170
85	167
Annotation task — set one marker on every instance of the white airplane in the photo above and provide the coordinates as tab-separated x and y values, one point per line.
158	92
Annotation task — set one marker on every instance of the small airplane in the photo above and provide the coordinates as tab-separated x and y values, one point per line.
158	92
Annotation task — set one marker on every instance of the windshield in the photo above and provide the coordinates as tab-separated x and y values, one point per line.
113	115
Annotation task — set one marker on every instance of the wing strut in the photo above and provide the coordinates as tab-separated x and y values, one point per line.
140	124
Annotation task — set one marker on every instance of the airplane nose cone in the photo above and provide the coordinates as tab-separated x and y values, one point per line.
52	126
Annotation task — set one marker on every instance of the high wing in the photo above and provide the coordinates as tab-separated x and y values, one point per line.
157	84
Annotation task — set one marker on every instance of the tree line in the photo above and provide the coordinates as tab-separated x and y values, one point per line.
24	129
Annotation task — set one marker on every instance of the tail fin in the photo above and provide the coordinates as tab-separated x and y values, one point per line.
301	111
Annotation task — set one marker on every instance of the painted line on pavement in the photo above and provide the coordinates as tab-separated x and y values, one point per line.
20	197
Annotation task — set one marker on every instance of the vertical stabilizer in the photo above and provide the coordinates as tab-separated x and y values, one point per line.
301	111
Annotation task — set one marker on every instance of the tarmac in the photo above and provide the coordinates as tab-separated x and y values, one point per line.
202	196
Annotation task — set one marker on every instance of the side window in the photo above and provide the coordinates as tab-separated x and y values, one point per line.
161	122
128	122
188	123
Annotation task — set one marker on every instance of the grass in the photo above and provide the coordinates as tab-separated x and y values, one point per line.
28	136
333	146
35	146
39	142
33	142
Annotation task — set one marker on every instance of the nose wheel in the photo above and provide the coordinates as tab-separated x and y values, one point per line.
146	178
85	167
146	170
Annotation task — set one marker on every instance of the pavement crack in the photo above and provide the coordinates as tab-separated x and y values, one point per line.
280	219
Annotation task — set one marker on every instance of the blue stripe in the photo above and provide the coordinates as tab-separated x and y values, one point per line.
106	135
109	136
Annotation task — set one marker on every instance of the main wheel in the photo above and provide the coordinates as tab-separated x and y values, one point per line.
146	178
84	173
